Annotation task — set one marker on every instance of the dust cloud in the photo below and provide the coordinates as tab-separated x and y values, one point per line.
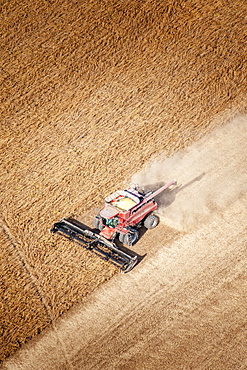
207	173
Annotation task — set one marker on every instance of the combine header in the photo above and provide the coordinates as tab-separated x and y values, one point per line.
125	211
94	242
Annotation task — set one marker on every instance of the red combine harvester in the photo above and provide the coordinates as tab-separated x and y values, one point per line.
125	211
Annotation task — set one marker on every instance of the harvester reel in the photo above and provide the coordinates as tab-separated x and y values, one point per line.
104	248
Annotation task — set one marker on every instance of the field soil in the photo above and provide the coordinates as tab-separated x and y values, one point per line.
96	96
184	305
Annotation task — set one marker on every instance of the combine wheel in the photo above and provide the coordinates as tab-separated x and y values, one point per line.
97	224
121	237
130	238
151	222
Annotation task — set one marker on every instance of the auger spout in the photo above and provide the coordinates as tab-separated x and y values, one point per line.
157	192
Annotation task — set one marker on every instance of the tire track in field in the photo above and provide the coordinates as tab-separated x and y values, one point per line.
36	286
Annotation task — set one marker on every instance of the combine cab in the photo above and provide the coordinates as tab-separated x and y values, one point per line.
125	211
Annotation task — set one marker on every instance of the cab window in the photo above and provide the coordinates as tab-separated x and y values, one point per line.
110	222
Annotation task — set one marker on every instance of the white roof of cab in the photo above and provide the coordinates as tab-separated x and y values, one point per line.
108	212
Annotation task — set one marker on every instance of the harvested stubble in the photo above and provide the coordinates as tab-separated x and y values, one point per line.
89	94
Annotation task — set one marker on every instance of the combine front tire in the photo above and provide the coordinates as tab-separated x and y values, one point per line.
97	223
151	222
129	238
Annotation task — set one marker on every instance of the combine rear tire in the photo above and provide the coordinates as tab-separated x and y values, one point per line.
129	238
151	222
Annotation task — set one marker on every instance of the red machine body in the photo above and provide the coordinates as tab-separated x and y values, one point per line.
127	210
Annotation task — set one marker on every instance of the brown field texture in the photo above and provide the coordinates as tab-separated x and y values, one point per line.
90	92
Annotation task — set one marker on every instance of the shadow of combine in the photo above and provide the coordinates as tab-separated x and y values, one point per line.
130	252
